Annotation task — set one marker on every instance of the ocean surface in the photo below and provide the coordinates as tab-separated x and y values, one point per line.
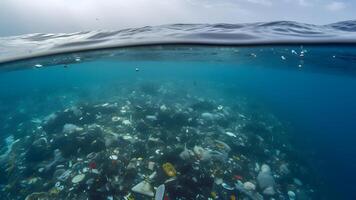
224	111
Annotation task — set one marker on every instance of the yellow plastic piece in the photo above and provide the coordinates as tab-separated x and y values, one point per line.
220	146
169	169
213	194
131	197
236	157
232	197
54	191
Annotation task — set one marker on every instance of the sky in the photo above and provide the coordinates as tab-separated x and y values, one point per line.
65	16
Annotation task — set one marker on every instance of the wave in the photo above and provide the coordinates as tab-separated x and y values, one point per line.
262	33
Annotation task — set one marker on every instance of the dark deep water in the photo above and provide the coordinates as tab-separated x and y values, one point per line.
308	93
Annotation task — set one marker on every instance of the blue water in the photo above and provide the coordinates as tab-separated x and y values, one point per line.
308	89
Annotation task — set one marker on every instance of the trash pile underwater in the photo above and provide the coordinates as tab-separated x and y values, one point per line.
154	140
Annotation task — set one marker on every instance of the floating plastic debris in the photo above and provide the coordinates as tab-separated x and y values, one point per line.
65	175
266	181
291	195
222	146
126	122
61	187
249	186
151	117
169	169
71	128
37	195
230	134
115	119
151	165
78	178
297	182
144	188
226	186
160	192
252	196
186	154
218	181
113	157
163	108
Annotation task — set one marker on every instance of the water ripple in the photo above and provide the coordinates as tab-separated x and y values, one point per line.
279	32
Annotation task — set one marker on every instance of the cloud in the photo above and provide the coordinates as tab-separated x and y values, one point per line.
304	2
24	16
261	2
336	6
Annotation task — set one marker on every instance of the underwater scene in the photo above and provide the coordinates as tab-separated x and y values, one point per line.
180	122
